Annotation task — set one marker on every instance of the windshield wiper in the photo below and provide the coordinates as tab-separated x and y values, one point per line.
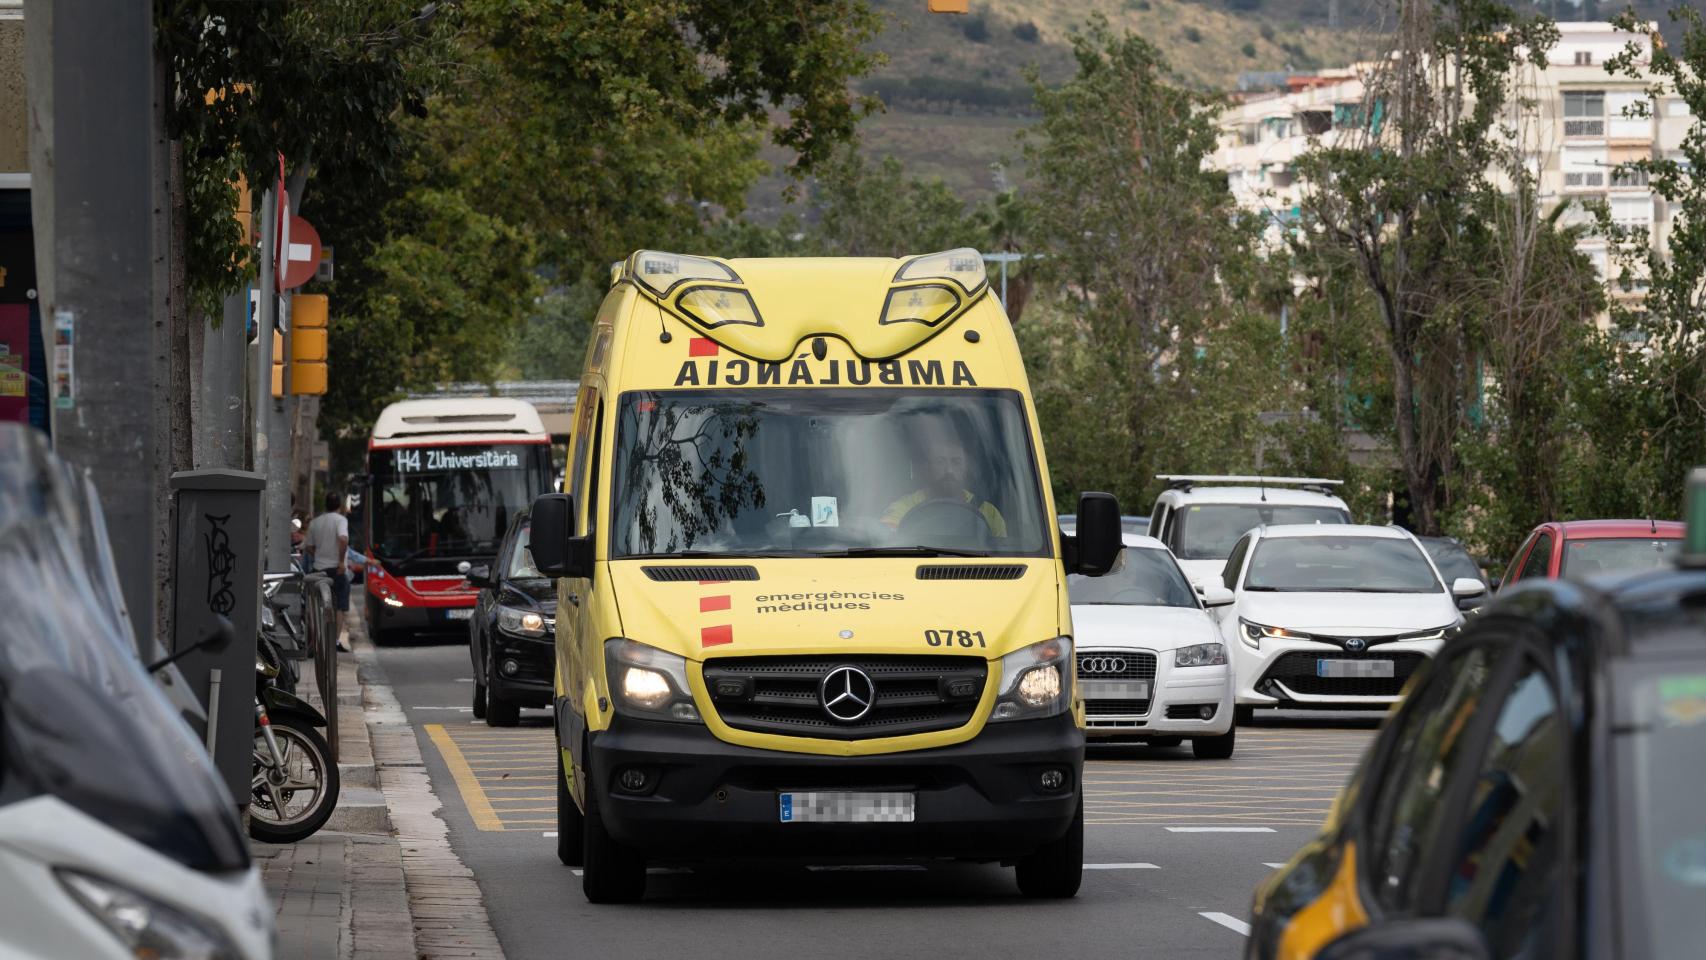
716	555
918	551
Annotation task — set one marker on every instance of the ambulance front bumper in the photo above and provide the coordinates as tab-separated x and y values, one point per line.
706	799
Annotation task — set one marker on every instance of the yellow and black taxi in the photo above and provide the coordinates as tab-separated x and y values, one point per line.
1538	794
811	593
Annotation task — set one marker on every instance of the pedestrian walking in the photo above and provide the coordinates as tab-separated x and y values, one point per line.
326	545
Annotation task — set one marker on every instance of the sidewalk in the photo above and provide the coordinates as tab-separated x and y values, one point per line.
380	881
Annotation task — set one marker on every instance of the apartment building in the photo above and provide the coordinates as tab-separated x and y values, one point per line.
1570	117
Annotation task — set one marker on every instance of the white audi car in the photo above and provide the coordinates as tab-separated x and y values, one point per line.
1332	616
1150	663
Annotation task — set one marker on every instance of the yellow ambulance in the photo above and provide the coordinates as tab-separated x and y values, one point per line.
811	593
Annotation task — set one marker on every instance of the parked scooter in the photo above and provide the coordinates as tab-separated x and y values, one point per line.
295	785
117	837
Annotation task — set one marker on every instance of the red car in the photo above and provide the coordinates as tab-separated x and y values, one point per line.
1583	548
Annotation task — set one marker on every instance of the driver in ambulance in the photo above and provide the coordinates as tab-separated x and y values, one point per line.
941	461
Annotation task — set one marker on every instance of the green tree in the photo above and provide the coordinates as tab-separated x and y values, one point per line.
877	210
1154	286
1399	188
1647	412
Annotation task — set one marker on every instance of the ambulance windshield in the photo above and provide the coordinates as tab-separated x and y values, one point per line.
863	472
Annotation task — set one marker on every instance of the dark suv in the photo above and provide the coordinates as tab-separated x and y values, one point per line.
512	635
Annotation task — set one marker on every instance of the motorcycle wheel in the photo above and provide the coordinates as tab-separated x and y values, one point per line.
289	811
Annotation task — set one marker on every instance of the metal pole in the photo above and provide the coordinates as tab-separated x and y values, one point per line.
215	677
90	89
266	302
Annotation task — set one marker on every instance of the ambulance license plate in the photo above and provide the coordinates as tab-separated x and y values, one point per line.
846	807
458	613
1355	669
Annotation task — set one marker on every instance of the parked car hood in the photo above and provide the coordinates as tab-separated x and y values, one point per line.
1374	614
1152	628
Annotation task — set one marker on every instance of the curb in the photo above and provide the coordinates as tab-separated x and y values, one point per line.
448	911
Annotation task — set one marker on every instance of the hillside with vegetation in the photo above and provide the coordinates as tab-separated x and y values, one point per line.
957	89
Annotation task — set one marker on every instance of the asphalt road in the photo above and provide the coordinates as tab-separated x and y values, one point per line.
1174	845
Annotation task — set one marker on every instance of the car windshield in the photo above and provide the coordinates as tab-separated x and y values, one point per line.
1141	577
451	501
1586	558
1340	565
1661	751
866	472
1209	531
1451	559
521	558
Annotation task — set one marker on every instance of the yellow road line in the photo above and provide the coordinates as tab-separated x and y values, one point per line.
474	798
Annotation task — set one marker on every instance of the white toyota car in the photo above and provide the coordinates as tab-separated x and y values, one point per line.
1332	616
1150	663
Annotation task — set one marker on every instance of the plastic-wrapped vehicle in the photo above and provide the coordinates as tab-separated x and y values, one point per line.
117	838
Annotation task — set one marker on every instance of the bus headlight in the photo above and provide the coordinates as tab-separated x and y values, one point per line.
1036	681
648	682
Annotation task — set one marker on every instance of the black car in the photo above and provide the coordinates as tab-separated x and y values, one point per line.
1537	794
512	635
1453	562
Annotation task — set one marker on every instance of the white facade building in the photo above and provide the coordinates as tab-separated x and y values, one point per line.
1570	118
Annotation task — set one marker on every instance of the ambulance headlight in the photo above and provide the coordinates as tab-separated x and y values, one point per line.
662	272
1036	681
928	304
720	306
964	266
648	682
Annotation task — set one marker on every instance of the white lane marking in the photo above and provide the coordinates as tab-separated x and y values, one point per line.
654	871
550	834
451	709
1220	829
1121	866
464	679
1228	921
1275	866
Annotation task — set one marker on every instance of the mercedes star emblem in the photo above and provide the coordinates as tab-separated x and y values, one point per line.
847	693
1356	645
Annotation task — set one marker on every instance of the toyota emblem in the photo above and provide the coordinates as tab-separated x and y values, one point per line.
847	694
1102	665
1356	645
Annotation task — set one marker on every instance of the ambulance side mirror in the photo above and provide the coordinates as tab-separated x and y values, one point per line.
1099	538
557	552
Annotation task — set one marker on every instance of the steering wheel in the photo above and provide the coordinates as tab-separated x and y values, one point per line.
946	519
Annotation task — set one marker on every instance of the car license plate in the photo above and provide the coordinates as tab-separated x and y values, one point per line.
1353	668
459	613
1116	689
846	807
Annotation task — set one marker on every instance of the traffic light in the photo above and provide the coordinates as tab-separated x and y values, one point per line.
277	364
308	343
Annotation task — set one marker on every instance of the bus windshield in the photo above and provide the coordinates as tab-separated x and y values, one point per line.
451	500
867	472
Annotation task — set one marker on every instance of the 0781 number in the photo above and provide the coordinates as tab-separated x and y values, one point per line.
954	638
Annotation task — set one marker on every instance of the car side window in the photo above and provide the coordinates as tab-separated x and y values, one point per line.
1158	521
586	406
1539	561
1513	571
1234	562
1427	737
1509	840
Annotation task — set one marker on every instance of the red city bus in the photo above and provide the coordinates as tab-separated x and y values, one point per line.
444	479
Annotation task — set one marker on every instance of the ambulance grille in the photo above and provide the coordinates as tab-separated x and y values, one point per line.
695	574
914	694
971	571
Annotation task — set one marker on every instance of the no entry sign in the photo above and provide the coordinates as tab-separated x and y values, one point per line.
299	254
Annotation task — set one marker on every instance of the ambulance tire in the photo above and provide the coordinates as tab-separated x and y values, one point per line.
571	836
612	872
1055	871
